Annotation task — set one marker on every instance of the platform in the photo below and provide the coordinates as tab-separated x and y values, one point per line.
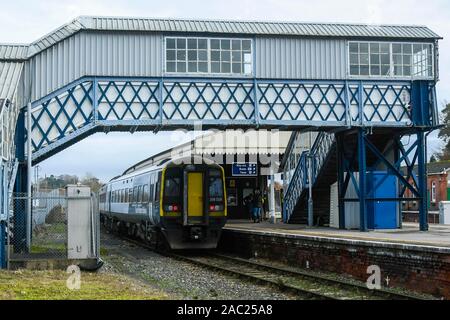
438	236
407	257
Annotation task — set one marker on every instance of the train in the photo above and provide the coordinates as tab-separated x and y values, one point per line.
179	203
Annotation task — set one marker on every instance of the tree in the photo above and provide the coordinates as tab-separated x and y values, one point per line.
444	133
433	158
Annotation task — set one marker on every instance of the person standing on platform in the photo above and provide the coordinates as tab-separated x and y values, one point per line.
257	206
248	202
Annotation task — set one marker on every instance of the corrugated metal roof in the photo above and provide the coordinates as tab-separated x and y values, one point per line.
9	78
301	29
13	51
255	27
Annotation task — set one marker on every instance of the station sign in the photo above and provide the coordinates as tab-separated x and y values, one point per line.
244	169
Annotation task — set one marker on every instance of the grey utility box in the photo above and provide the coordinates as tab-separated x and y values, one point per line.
444	212
80	223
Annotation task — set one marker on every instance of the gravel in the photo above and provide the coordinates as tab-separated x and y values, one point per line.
180	280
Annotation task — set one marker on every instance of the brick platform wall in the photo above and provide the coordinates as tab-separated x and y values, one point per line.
407	267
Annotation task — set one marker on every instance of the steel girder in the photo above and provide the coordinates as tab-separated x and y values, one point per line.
408	165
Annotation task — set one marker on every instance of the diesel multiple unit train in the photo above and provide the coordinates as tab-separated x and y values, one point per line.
180	202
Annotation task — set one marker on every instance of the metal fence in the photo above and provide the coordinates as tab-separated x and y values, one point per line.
44	232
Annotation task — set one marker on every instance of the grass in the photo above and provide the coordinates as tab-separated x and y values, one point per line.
51	285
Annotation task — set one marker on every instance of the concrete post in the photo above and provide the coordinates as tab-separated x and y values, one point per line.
273	219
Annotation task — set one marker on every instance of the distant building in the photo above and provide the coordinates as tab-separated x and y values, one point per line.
438	185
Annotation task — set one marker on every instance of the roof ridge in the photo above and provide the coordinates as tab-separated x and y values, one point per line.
252	21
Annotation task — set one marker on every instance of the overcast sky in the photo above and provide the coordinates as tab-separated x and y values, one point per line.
23	21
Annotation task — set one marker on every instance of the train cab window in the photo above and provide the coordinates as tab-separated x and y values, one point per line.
215	190
172	190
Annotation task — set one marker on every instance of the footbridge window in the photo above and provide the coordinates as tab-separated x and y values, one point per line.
385	59
208	56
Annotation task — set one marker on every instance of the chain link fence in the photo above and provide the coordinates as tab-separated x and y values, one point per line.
47	223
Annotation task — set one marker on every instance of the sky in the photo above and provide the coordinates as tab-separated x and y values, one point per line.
106	156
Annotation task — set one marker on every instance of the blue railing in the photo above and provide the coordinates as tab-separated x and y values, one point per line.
92	103
299	181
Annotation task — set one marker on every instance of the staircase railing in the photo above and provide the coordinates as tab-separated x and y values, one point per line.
299	181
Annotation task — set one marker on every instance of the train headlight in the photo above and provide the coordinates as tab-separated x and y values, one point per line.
172	208
215	207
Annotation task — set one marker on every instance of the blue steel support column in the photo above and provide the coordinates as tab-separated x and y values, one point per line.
341	171
362	179
423	208
20	205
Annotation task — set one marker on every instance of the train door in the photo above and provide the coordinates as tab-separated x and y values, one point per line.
195	201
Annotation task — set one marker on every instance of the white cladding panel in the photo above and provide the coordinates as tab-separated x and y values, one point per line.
95	54
300	58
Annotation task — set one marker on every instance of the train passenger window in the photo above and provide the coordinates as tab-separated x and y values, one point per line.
145	196
152	190
139	196
135	191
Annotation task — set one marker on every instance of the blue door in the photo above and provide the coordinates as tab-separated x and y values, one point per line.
382	214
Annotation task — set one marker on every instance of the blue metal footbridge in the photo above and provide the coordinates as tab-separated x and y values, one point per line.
342	81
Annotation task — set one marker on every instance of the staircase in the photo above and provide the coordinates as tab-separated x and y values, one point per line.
324	174
297	190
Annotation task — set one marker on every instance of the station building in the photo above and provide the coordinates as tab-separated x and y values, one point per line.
246	158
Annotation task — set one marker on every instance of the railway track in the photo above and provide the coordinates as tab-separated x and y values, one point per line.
304	284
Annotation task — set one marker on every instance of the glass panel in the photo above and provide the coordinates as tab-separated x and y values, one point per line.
192	43
192	66
215	55
225	44
398	70
374	59
385	70
406	71
215	67
236	55
385	59
247	68
246	45
181	67
354	70
384	48
226	56
374	48
181	43
170	55
192	55
237	68
215	44
364	48
397	59
396	48
354	48
407	59
247	58
202	44
354	59
364	70
181	55
364	59
202	55
226	67
236	45
375	70
170	43
203	67
171	67
407	48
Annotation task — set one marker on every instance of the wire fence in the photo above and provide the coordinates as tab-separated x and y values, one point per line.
42	233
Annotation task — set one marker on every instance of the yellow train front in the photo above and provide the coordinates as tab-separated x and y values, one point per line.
183	200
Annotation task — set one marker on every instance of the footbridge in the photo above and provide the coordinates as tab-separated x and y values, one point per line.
366	85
